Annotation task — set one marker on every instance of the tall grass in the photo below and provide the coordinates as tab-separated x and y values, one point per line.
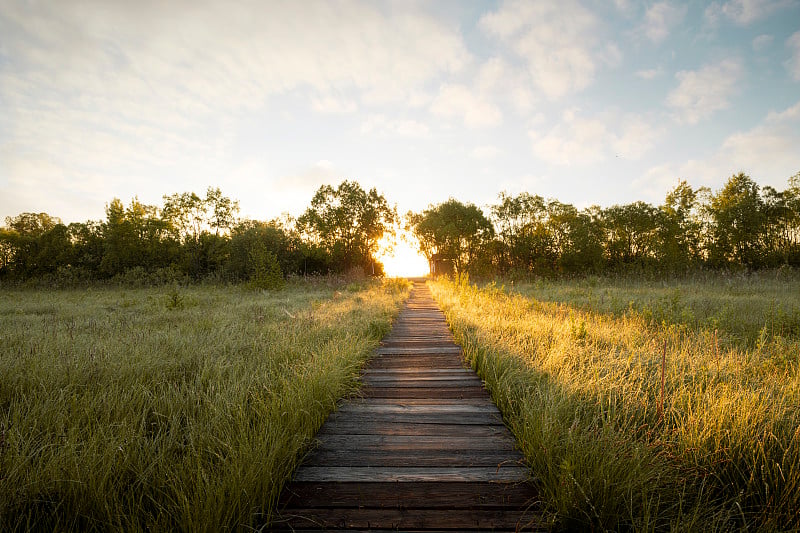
171	408
747	308
580	386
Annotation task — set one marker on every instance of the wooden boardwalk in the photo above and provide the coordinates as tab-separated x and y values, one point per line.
425	449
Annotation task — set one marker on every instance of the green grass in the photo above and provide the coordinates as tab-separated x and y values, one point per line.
746	309
576	369
173	408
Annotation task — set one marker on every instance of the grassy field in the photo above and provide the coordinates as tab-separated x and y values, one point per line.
646	406
182	408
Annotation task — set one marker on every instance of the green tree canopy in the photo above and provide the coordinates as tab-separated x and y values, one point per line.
347	222
456	231
737	222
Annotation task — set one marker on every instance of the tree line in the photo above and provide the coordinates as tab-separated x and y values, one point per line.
741	225
198	237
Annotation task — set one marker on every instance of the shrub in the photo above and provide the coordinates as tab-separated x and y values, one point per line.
265	271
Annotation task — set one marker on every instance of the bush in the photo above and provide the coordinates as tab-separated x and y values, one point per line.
265	271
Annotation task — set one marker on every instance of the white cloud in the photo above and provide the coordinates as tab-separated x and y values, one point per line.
384	126
559	40
702	92
485	152
744	12
333	105
650	74
762	41
115	88
498	81
626	7
793	63
580	141
458	101
660	19
767	152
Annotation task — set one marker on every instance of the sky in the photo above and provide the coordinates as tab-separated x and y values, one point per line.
591	103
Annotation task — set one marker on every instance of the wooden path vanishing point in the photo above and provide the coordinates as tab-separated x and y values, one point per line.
425	449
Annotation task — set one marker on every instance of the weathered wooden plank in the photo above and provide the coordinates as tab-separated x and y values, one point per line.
432	383
418	372
365	407
423	402
441	458
462	380
425	442
392	350
418	519
503	474
432	418
424	392
416	361
430	495
347	427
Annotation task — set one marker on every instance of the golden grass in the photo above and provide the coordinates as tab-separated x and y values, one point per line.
580	386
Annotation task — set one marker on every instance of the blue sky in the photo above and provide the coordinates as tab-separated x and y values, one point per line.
593	102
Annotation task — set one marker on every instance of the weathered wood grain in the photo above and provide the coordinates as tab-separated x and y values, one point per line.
420	519
433	495
422	442
496	474
346	427
455	408
412	458
416	417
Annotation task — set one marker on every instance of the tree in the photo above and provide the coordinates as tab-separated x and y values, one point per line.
575	236
520	223
190	218
737	223
88	244
631	233
793	203
453	230
680	233
34	244
222	210
251	235
347	222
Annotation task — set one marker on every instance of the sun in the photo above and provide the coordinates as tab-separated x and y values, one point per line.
403	258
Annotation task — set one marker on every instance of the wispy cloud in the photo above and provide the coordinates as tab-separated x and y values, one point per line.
650	74
768	152
560	42
333	105
579	140
702	92
793	63
458	101
744	12
762	42
660	19
384	126
486	151
118	94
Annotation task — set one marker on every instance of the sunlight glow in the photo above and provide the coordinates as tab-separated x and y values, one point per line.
402	258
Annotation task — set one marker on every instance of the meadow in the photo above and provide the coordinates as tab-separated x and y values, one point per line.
646	405
172	408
